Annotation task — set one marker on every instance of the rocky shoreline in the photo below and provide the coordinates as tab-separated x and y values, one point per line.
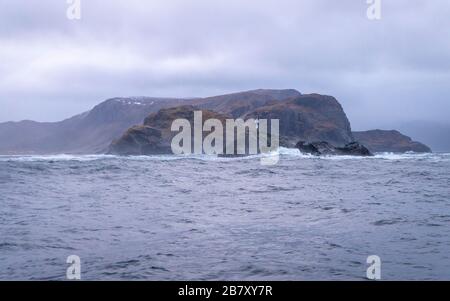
324	148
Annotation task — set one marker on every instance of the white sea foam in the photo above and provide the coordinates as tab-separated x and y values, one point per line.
60	157
434	157
283	152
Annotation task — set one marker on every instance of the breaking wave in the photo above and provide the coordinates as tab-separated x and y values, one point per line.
283	152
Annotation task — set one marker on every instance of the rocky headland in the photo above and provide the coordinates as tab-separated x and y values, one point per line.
141	125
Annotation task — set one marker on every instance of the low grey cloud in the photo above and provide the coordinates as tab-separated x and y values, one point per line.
393	70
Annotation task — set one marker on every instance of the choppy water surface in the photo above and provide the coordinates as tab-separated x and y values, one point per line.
161	218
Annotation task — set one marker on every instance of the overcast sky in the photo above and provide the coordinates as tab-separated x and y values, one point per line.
387	71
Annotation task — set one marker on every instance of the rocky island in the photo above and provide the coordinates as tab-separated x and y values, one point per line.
141	125
389	141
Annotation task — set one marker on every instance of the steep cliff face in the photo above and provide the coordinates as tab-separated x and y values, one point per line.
389	141
308	118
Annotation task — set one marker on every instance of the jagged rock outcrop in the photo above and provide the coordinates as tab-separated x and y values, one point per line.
324	148
389	141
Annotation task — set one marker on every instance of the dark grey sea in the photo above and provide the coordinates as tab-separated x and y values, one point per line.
208	218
